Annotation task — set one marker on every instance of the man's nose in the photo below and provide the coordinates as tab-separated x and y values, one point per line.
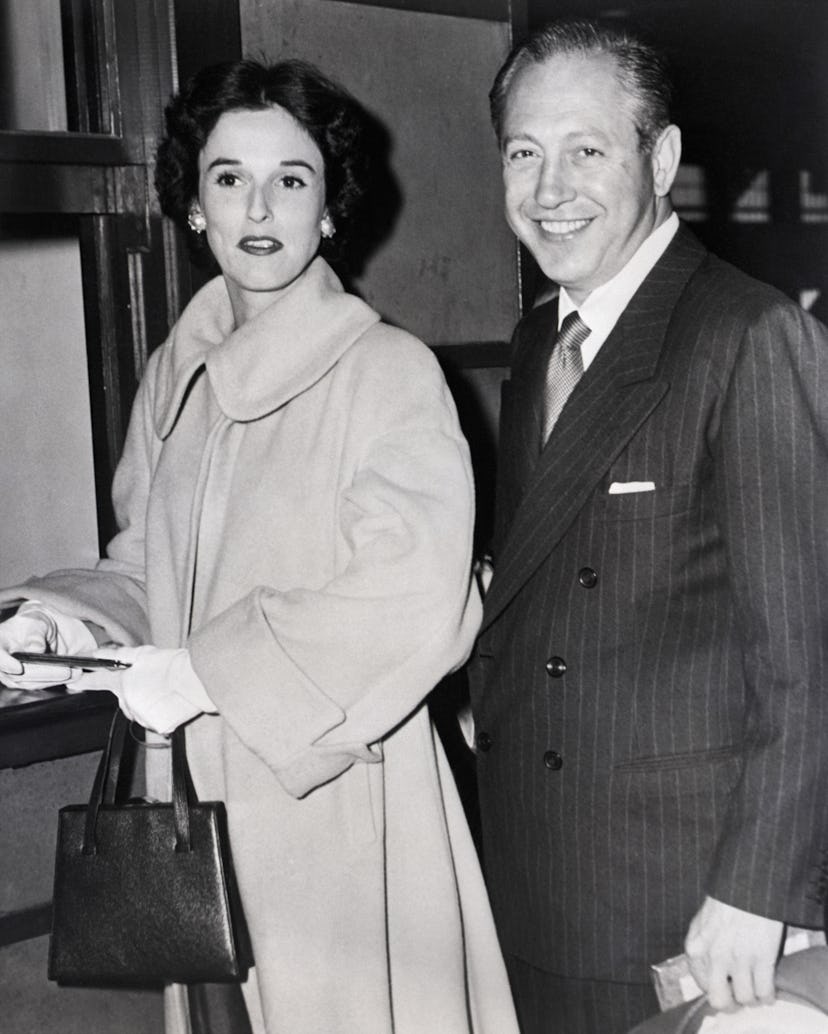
554	184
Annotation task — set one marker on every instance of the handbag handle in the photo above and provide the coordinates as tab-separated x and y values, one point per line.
105	785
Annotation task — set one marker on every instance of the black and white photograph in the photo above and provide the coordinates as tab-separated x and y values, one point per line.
413	517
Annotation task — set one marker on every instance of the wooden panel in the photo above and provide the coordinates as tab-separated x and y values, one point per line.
471	355
492	10
25	924
32	93
446	270
61	727
62	148
207	31
47	510
54	188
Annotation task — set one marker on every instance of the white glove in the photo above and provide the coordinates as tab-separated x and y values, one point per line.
159	691
36	628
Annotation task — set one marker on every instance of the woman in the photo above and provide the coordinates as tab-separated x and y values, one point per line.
295	506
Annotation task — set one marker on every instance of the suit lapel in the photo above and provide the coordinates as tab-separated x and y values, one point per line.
521	412
614	397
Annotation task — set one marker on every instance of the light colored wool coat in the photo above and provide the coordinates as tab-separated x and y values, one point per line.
295	504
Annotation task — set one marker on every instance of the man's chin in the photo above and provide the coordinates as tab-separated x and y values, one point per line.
565	274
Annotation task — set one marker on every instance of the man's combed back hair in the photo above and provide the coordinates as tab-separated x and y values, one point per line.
642	70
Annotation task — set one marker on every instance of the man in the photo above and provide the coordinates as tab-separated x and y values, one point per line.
649	682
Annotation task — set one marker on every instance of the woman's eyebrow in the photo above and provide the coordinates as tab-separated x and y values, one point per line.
222	161
300	162
291	162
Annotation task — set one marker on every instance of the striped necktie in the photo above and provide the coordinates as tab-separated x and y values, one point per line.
564	371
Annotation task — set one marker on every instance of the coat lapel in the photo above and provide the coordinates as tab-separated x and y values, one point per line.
258	367
612	400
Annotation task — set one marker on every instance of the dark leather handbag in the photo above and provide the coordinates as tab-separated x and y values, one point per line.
144	892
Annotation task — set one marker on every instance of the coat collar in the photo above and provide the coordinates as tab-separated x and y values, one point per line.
612	399
257	368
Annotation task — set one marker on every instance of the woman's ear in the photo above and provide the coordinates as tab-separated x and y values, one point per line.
196	219
326	226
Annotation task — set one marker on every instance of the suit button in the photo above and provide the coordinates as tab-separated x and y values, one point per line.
552	759
555	667
484	741
588	578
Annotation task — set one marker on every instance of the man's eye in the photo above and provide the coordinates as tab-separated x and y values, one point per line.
520	154
590	152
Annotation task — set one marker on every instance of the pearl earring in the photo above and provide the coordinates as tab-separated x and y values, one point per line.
327	226
196	221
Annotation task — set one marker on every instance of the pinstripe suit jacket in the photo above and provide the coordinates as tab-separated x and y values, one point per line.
684	749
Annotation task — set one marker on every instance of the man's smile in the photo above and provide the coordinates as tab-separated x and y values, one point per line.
563	227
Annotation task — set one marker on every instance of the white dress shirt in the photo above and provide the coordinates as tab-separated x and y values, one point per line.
604	305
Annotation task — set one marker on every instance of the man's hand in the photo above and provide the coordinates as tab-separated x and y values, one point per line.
733	954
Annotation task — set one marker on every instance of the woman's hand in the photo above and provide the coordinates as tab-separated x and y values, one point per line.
159	689
39	629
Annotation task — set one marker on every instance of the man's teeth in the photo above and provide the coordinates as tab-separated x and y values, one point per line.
563	226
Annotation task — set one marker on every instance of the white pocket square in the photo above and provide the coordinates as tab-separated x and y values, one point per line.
622	487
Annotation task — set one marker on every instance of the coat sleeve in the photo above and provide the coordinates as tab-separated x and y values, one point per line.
771	462
312	679
113	594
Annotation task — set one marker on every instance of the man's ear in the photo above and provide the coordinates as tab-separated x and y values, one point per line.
666	158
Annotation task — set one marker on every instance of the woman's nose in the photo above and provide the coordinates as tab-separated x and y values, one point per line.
258	208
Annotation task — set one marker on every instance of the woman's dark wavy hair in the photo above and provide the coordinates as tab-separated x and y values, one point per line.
642	70
326	111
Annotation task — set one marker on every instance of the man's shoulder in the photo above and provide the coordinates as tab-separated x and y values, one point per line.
721	303
716	284
722	279
726	301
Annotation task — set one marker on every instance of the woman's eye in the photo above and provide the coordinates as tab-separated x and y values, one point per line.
227	179
292	182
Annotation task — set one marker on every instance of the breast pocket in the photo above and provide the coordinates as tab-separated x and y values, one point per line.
645	546
662	501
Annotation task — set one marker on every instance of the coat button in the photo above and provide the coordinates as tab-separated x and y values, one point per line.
484	741
552	759
555	667
588	578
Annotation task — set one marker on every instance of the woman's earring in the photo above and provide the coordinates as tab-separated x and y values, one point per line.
327	226
196	221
